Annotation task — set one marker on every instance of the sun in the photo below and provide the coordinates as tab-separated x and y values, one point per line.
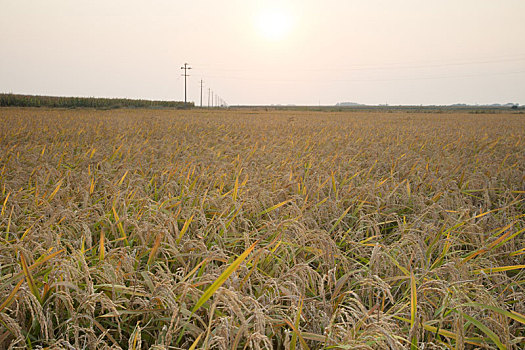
274	24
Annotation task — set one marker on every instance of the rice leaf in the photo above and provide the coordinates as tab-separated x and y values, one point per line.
296	324
500	269
52	195
11	296
196	342
518	252
41	260
120	227
403	269
101	250
135	341
339	219
185	228
29	278
223	277
413	309
272	208
4	205
485	330
511	314
235	188
123	177
153	252
440	331
304	345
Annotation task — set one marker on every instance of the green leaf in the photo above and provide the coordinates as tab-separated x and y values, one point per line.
11	296
29	278
185	228
485	330
296	325
511	314
272	208
413	308
222	278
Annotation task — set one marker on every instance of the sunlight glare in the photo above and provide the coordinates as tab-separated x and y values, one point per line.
274	24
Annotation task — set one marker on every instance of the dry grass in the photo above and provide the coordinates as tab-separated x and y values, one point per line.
257	230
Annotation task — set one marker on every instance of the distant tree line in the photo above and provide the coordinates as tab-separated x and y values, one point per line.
15	100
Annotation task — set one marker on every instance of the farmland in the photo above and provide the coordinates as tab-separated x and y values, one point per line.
261	229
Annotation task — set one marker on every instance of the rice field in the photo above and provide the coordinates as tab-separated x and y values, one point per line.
257	229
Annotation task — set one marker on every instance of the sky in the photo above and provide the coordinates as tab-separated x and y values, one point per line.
249	52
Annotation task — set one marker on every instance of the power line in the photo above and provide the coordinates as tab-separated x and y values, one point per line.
392	65
367	79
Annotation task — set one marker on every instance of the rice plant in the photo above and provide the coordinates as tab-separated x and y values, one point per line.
254	229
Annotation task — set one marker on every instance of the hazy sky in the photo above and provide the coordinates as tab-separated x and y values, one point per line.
267	52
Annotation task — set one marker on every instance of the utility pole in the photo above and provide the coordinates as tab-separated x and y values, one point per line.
201	93
209	91
185	76
212	99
